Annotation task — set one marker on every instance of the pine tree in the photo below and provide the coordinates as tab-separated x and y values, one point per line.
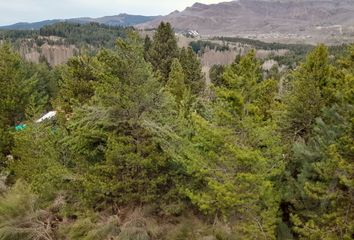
163	50
19	88
176	81
192	70
325	179
15	87
303	101
147	47
227	180
215	74
230	178
307	96
256	161
239	90
266	96
125	164
77	82
39	159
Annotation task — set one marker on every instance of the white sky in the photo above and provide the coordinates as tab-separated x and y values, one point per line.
12	11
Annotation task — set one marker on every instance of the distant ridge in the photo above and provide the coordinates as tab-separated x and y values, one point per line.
116	20
298	21
29	26
269	20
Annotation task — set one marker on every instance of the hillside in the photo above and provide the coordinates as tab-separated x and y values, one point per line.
116	20
302	21
56	43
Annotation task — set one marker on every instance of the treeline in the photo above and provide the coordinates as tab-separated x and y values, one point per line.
13	35
200	46
296	54
142	148
299	49
95	34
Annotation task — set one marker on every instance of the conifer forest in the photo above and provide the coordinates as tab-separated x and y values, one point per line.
143	147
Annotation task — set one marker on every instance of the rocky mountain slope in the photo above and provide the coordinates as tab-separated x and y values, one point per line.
309	21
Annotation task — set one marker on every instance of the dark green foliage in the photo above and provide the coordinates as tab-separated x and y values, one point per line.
77	81
299	49
15	87
322	210
125	163
200	46
147	47
163	50
326	178
13	35
319	115
215	74
238	91
297	52
308	94
192	70
94	34
222	157
81	35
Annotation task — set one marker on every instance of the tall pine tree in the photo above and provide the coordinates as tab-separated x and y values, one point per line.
192	70
176	81
323	210
163	50
307	96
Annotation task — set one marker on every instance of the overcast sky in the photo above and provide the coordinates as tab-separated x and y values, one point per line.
12	11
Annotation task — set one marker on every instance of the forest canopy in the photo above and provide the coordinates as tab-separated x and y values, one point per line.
142	147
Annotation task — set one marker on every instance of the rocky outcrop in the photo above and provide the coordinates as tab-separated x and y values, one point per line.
54	54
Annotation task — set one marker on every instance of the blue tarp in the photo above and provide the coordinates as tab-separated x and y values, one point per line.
20	127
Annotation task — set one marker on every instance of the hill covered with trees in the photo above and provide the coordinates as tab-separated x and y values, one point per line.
56	43
142	148
114	21
94	34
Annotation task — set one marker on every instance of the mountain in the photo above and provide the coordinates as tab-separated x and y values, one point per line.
300	21
310	20
29	26
116	20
